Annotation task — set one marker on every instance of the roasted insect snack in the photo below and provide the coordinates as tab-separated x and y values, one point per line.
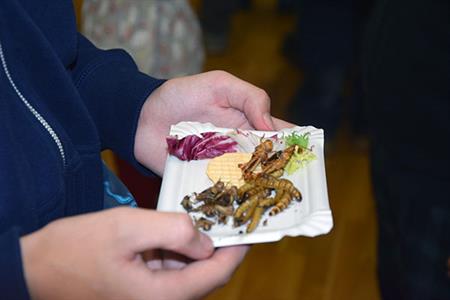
256	197
215	203
247	195
259	155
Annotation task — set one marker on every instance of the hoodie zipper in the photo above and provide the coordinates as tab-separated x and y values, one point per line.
30	107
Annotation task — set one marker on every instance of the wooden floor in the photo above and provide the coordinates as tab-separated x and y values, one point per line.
340	265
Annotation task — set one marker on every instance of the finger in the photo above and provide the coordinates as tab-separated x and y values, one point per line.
153	259
172	260
253	101
201	277
281	124
142	229
154	264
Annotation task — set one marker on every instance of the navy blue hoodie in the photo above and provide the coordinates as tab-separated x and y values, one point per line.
62	101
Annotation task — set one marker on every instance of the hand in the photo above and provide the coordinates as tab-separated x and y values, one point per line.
99	256
215	97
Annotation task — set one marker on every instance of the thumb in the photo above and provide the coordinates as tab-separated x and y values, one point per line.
143	229
256	108
252	101
281	124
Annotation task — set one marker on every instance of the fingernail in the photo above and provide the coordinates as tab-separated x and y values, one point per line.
268	120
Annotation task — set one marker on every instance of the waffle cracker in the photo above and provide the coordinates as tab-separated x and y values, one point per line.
225	168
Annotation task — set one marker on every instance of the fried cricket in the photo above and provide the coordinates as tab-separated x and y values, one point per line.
259	156
280	162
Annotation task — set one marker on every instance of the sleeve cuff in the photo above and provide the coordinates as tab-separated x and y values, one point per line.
115	91
12	279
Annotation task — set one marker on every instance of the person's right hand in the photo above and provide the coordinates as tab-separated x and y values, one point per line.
99	256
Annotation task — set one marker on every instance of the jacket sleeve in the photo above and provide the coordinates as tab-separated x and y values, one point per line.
12	279
114	91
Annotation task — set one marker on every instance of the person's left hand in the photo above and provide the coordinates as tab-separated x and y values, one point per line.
216	97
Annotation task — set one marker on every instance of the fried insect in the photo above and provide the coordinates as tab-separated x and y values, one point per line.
248	215
215	203
259	155
227	197
280	162
222	219
187	203
273	157
267	202
278	184
244	212
239	212
209	194
207	209
277	173
252	192
257	215
203	223
282	202
224	210
246	187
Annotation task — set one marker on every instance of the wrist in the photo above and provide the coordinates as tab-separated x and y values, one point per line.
31	260
152	128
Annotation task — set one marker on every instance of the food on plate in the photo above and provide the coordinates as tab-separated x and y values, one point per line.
256	197
302	154
278	160
259	155
215	202
225	168
207	145
299	160
294	138
246	185
203	223
247	140
268	181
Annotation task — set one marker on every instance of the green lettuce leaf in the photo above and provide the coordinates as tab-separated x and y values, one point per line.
294	138
302	156
299	160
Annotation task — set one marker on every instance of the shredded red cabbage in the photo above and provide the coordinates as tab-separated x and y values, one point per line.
193	147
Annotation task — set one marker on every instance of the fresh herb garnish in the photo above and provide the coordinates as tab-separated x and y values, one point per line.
294	138
302	156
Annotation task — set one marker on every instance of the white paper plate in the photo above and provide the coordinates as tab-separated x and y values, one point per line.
310	217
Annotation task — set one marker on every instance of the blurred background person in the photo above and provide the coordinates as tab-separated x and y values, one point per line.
326	46
215	17
407	75
164	37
